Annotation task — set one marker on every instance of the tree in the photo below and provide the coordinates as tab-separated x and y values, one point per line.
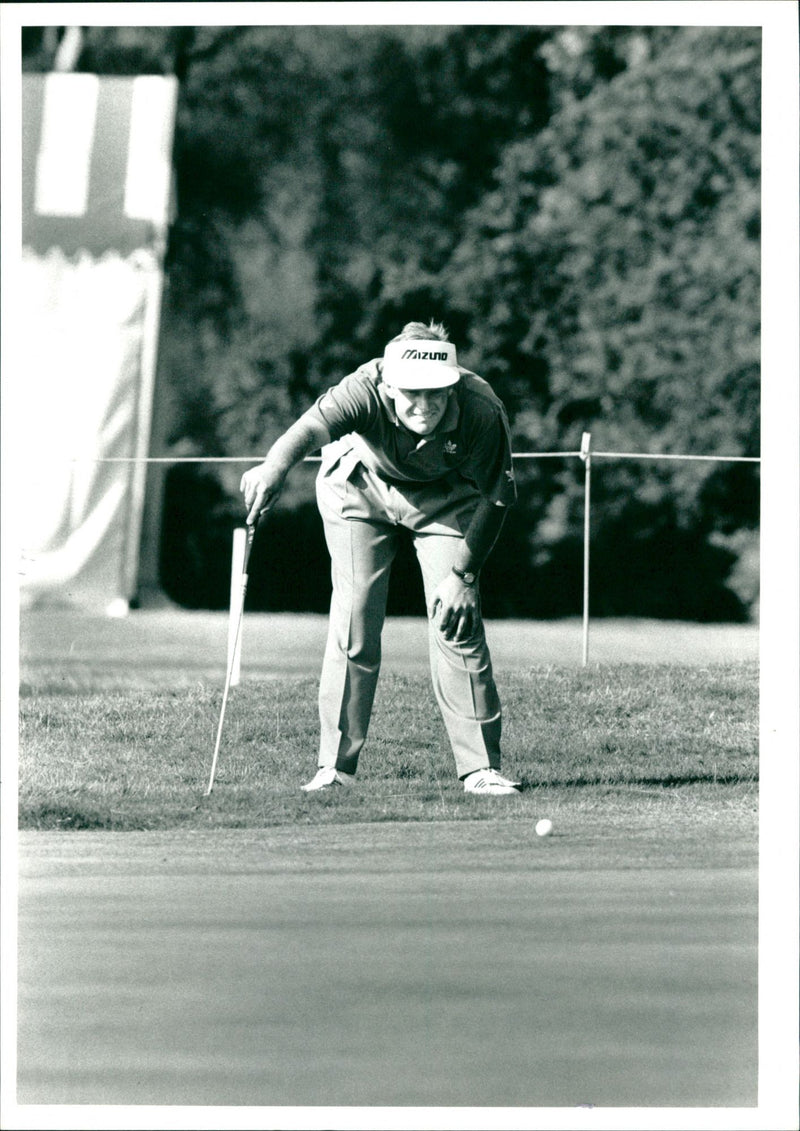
613	273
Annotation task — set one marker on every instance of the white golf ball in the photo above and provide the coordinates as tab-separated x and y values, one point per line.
544	827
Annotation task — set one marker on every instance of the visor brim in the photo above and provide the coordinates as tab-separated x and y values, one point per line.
415	375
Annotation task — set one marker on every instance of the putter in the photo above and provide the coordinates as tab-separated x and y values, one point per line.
251	529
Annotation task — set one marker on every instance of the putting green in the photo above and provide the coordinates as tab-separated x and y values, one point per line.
468	964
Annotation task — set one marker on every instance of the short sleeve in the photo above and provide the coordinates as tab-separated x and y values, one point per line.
350	406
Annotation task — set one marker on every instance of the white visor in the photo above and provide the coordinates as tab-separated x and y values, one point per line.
417	364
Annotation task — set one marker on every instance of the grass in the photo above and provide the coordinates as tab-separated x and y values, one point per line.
627	736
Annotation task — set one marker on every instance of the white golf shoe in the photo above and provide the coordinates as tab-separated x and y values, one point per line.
490	781
326	778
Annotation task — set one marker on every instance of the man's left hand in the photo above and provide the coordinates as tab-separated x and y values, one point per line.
458	608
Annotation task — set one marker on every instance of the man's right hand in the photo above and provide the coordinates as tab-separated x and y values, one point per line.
261	487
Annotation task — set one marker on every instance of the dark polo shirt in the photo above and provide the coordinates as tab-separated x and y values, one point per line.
472	439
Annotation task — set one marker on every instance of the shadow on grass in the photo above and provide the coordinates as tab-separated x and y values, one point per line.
424	804
667	781
60	817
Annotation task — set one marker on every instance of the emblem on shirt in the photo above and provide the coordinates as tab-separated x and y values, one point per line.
450	447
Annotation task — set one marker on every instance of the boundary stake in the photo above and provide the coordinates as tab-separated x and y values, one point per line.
586	456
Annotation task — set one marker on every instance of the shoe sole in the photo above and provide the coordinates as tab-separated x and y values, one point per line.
335	784
496	792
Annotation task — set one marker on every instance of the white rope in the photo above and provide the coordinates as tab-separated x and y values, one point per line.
659	455
316	459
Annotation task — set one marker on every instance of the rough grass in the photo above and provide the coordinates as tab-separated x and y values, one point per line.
139	759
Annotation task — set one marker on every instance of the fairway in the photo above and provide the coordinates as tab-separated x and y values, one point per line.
420	965
174	648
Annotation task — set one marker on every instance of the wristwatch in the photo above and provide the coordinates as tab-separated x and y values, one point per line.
467	577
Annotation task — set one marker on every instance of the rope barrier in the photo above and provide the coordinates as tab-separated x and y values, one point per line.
586	455
658	455
316	459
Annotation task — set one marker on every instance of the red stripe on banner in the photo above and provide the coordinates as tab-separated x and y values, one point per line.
32	112
106	206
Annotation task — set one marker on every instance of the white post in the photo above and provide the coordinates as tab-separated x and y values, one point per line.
586	456
152	289
234	640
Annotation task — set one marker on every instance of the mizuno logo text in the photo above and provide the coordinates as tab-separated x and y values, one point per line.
424	355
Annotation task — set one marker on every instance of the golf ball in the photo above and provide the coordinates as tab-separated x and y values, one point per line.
544	827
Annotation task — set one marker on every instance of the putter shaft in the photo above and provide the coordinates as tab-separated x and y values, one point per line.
250	534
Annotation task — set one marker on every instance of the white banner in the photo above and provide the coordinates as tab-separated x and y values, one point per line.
95	178
80	403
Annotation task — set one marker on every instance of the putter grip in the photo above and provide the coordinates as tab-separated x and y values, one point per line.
251	531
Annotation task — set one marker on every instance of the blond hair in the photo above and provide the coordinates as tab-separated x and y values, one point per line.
418	331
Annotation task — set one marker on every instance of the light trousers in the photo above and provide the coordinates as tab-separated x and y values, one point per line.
364	519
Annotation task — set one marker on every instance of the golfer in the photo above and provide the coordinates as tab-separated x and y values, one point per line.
410	441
